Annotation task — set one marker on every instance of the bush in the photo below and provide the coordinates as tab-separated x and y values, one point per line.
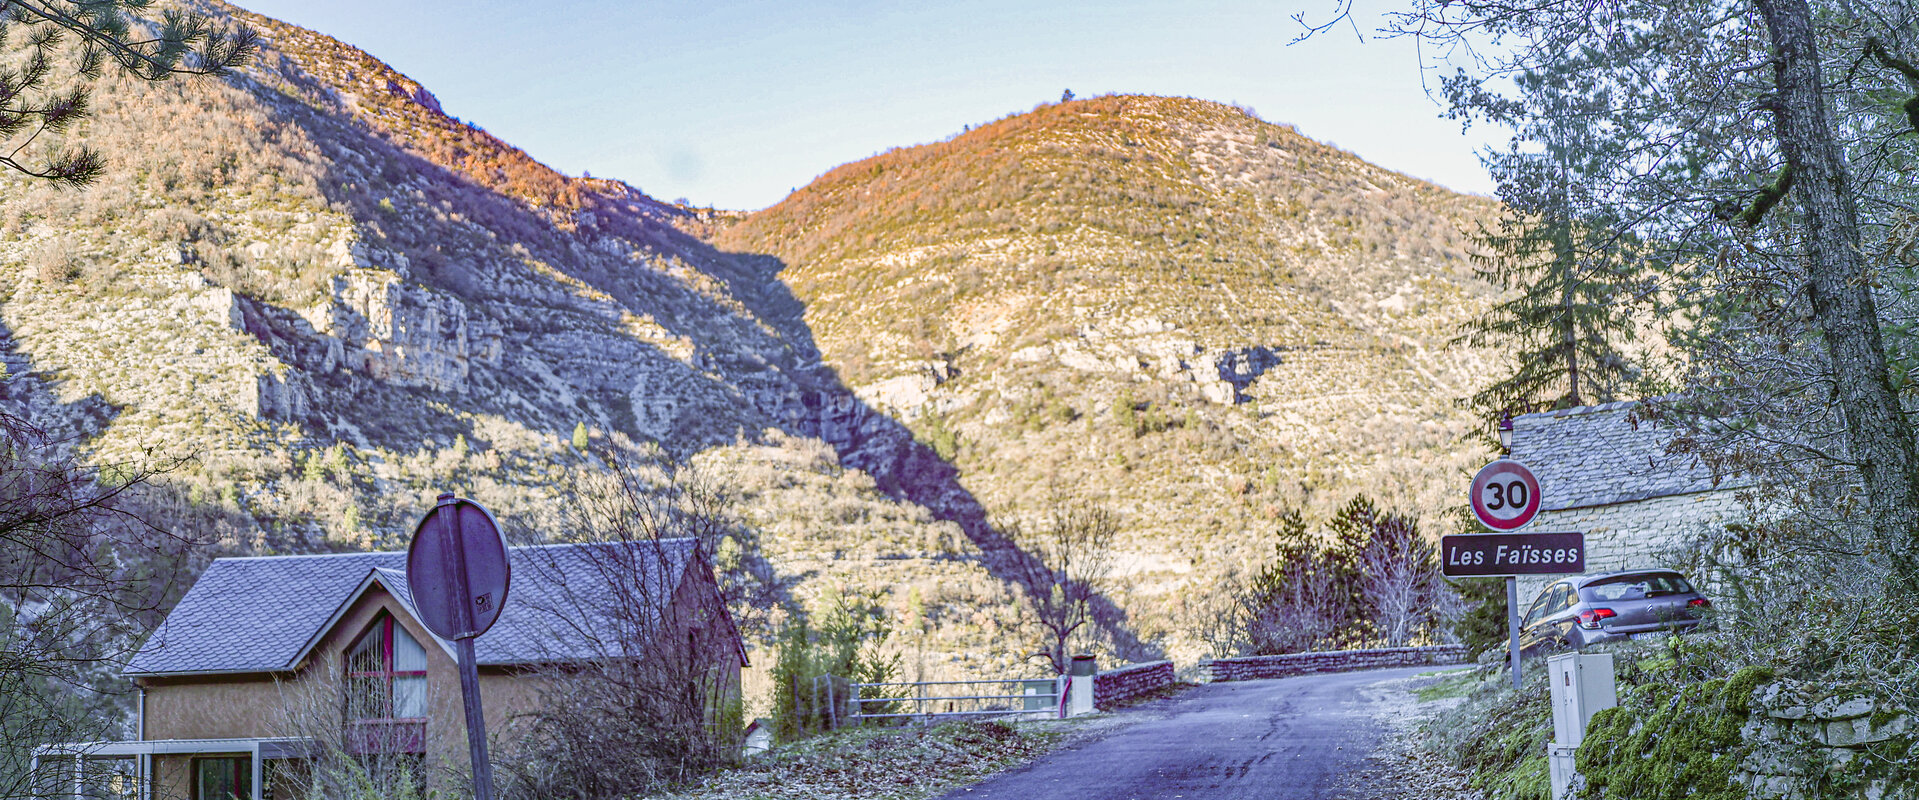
817	665
1482	628
1373	579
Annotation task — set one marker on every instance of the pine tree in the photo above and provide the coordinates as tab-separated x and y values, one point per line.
1579	278
33	99
1565	328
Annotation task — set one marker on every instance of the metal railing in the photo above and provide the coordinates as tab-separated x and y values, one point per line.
917	700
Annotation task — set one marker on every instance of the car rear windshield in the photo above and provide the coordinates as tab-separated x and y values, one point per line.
1636	587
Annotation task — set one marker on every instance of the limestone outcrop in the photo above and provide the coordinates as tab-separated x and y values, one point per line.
407	334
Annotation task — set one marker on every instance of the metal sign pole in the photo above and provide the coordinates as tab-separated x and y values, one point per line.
475	721
452	554
1506	497
1512	624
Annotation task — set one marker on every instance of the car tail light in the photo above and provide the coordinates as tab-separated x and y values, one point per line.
1589	619
1699	602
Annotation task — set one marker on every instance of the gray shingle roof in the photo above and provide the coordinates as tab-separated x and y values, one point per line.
262	614
1601	455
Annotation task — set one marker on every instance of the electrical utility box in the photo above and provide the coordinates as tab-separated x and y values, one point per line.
1563	770
1582	685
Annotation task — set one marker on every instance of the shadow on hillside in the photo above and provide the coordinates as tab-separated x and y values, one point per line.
129	510
31	395
746	376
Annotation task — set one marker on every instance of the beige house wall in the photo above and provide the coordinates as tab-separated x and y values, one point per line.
309	701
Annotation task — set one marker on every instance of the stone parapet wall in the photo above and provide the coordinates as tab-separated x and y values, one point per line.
1116	686
1285	666
1809	742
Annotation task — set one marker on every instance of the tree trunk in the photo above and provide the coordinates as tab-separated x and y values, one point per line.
1563	251
1561	218
1881	442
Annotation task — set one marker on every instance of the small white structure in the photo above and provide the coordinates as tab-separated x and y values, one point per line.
759	738
1079	696
1582	685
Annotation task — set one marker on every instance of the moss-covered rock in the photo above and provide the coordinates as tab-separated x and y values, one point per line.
1663	743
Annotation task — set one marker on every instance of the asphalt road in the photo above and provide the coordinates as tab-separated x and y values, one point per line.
1304	737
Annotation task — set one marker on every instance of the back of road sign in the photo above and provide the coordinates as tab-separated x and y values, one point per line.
458	557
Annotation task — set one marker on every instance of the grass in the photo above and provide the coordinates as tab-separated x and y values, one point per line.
1456	683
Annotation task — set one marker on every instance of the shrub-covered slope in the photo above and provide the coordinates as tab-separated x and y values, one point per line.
1168	304
338	301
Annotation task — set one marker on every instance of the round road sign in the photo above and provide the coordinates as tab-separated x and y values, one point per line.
457	569
1505	495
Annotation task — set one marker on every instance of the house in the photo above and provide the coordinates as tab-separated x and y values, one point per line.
1604	471
268	662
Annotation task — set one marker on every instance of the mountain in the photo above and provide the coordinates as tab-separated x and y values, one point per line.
1193	315
333	301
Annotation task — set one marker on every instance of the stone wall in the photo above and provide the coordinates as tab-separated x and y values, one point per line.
1116	686
1634	535
1812	742
1256	667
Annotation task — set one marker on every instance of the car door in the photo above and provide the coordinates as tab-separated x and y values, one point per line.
1561	617
1533	631
1548	620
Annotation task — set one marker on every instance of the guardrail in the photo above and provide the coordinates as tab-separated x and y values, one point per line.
915	700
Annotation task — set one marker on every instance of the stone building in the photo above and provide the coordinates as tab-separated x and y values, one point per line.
1605	472
267	662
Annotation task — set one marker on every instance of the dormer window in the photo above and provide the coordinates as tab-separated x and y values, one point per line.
386	689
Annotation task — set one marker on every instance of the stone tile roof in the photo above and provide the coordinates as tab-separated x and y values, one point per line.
1601	455
261	614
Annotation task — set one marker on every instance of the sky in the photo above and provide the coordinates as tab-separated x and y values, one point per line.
734	104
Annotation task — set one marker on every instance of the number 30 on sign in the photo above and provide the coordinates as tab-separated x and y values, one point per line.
1505	495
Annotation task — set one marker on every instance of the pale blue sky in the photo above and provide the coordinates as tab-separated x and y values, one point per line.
734	104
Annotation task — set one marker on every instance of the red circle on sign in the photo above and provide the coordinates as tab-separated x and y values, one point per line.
1505	495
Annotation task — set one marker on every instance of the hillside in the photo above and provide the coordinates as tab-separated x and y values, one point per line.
333	301
1197	316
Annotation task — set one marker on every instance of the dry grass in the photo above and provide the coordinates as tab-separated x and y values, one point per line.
1404	766
899	764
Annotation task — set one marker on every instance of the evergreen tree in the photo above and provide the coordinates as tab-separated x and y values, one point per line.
1301	600
1371	578
34	99
1578	277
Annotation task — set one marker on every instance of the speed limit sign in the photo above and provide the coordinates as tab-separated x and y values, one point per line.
1505	495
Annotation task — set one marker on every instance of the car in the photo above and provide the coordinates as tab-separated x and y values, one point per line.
1585	610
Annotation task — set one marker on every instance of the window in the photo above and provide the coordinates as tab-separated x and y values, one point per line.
386	674
1637	587
1539	608
228	778
386	690
1562	598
